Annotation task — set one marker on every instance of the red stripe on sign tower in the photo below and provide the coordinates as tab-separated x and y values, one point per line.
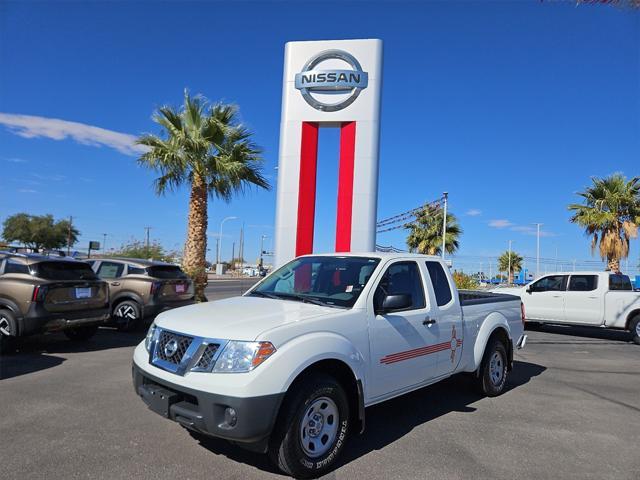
307	188
345	186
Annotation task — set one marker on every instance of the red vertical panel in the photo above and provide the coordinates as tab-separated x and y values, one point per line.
307	188
345	186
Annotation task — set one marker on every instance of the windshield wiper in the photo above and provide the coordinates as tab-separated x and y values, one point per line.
258	293
305	299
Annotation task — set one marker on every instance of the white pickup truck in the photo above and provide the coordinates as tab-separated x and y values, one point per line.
598	299
289	367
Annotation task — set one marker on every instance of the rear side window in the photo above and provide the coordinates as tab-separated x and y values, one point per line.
16	267
166	272
583	283
64	271
133	270
619	282
110	270
440	283
402	278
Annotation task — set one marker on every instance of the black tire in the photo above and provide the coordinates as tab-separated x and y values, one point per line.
8	331
286	449
634	327
492	376
81	334
127	315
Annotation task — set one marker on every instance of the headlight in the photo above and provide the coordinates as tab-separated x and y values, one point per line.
149	337
238	357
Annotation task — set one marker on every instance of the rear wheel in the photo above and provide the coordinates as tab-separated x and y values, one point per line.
634	326
493	370
8	330
312	431
127	315
80	334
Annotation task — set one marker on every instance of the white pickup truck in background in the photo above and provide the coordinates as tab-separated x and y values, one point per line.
599	299
289	367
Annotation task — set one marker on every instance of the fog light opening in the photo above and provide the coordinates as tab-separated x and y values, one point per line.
230	417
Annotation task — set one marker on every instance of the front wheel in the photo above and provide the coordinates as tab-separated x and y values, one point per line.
81	334
634	326
493	370
313	428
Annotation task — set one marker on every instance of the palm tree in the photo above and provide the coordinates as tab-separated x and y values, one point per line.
510	262
425	232
610	215
202	146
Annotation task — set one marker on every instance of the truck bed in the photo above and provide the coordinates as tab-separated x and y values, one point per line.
476	297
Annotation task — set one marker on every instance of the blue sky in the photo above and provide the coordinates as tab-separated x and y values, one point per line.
508	106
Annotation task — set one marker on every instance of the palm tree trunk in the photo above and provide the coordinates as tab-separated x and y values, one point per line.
614	264
195	251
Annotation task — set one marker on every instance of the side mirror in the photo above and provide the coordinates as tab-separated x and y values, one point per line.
395	302
529	290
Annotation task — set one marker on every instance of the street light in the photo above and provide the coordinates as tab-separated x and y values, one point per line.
262	248
538	225
220	236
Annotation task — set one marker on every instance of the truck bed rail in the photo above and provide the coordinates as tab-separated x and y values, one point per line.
475	297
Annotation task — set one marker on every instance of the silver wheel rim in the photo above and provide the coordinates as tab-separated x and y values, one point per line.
496	368
638	329
126	311
319	427
5	328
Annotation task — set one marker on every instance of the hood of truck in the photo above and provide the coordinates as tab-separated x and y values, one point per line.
238	318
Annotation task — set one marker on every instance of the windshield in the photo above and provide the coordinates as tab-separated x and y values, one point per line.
330	281
65	271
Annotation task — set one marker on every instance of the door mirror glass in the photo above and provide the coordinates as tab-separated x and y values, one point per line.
393	303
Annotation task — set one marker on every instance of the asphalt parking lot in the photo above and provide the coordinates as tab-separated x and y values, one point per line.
572	410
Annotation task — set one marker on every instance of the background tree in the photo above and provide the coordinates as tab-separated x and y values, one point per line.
515	262
205	147
139	249
425	232
38	231
464	281
610	215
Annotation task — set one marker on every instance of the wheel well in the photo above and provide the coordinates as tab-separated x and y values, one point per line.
344	375
501	335
631	316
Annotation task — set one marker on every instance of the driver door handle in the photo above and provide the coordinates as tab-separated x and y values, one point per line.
115	284
428	321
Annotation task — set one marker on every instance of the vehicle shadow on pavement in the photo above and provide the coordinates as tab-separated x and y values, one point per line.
614	336
38	352
393	419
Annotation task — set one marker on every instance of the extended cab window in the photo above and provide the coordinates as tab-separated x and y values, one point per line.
64	271
440	283
402	278
553	283
110	270
583	283
619	282
133	270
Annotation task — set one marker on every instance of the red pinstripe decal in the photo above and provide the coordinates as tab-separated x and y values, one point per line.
422	351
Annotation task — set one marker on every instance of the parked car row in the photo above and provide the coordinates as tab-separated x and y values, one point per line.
40	294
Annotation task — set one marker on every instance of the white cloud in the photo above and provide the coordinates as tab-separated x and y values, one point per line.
15	160
527	230
474	212
27	190
29	126
501	223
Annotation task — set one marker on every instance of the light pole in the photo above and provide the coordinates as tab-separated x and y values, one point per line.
444	223
538	225
220	236
262	237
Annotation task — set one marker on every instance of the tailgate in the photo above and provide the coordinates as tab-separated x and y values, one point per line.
175	290
72	296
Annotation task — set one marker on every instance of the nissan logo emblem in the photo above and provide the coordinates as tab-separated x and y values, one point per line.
331	81
171	347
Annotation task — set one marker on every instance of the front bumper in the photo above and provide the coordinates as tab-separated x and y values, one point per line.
207	413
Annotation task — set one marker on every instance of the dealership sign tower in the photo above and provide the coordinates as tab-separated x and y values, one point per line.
332	84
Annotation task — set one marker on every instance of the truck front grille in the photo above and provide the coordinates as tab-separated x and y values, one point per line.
207	358
171	347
